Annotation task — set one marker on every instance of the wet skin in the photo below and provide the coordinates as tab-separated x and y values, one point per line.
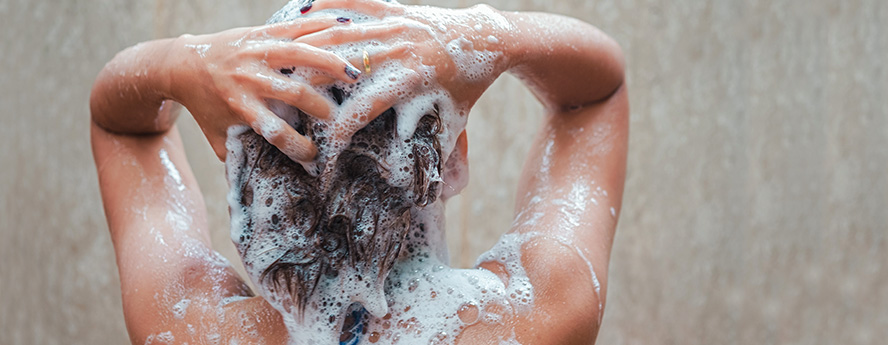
157	217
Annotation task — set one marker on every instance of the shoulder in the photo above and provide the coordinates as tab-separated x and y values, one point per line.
566	307
195	319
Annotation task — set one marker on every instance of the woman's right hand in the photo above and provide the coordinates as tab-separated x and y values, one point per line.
460	50
224	79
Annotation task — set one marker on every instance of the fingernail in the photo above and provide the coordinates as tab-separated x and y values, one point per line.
343	20
305	8
352	72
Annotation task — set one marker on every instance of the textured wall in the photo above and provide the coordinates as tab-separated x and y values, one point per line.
755	199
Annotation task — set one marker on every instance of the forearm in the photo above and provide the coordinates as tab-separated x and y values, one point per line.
567	63
572	181
129	92
568	203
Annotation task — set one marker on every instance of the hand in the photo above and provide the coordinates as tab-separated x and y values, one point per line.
224	79
463	48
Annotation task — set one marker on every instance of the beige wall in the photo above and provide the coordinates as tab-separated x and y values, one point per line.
755	204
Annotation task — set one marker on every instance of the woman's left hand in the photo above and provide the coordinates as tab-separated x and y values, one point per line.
225	78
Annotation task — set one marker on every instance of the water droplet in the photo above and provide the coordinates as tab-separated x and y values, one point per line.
468	313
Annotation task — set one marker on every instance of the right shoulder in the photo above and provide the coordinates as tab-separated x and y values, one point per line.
566	307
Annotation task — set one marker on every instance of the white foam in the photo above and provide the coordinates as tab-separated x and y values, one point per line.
492	17
426	297
180	308
421	299
473	65
268	127
160	338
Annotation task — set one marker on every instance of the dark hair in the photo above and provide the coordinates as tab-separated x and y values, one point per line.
349	216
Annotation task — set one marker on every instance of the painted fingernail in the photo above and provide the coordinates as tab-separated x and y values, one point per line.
343	20
305	8
352	72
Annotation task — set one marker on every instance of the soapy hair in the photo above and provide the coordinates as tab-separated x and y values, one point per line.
349	216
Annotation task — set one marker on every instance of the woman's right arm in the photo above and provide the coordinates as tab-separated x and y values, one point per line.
571	187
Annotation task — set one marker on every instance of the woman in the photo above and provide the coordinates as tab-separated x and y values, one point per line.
176	289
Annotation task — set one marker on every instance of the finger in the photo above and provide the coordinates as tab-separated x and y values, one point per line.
315	79
296	94
277	132
361	109
300	54
396	52
374	8
295	28
321	80
359	114
352	33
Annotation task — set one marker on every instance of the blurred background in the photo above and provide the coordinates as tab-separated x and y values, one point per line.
755	201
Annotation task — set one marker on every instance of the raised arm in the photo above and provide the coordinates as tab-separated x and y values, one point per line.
571	188
175	288
170	276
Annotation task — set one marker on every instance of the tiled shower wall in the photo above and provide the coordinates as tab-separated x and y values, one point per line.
755	204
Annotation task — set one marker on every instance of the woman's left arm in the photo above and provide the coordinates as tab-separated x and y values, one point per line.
157	221
173	284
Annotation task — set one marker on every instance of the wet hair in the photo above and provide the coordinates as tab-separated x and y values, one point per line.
347	217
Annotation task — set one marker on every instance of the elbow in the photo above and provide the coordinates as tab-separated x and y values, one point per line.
95	100
613	71
607	73
617	76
